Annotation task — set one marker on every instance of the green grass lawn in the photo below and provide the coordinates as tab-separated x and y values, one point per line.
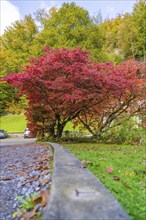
127	181
17	123
13	123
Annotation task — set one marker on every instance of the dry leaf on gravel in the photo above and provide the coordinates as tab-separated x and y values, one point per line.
37	199
44	181
45	196
42	198
25	183
39	168
30	180
11	166
45	168
22	173
45	172
40	162
6	178
29	215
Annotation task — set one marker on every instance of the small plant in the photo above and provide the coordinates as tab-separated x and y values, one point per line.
28	207
27	203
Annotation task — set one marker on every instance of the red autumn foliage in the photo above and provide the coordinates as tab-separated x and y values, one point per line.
123	95
64	84
58	86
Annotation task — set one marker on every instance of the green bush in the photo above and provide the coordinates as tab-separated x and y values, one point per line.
129	132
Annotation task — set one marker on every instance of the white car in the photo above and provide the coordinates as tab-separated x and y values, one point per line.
27	133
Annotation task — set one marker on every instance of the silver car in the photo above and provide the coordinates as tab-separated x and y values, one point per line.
3	134
27	133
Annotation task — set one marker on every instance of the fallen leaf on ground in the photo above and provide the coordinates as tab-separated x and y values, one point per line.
127	185
86	162
29	215
30	180
45	196
6	178
42	168
45	167
116	178
10	167
41	198
40	162
37	199
44	181
109	170
45	172
39	168
22	173
83	167
102	158
23	184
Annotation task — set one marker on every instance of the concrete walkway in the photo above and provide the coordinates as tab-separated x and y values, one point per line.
76	194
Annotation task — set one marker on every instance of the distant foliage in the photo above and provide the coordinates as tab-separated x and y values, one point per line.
16	50
125	35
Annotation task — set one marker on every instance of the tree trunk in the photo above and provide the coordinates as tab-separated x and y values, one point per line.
60	130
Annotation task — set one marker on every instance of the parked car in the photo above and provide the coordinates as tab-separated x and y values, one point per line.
27	133
3	134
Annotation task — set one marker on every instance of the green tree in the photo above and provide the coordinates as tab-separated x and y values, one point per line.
127	37
69	26
109	29
17	44
139	18
16	50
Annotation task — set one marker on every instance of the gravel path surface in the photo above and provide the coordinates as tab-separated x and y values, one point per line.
25	169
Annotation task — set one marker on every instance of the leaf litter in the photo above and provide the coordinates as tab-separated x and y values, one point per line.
31	173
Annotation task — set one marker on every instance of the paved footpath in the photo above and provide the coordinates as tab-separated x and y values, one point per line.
25	168
76	194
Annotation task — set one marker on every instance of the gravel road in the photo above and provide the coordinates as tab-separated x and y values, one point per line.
25	169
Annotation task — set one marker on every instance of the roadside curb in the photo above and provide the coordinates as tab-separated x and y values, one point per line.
76	194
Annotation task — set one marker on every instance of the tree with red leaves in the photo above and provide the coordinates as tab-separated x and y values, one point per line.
58	86
64	84
123	97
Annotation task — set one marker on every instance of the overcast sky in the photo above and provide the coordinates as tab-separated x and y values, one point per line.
12	10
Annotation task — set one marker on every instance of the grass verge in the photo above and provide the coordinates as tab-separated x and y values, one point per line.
121	169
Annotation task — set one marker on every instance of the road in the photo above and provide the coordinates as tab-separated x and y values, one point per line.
16	141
